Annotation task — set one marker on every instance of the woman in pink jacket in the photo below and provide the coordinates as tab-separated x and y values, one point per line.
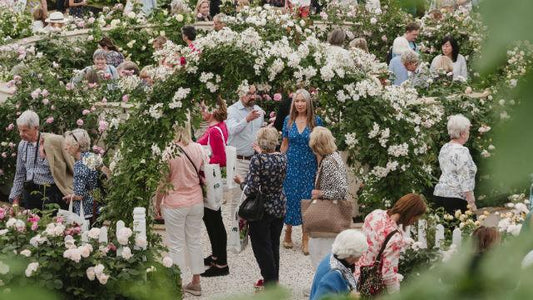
216	137
182	206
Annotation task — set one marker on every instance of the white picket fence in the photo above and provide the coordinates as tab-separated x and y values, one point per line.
457	236
139	228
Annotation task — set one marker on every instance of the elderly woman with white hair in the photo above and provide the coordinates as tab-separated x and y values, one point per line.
77	144
404	65
455	189
335	274
267	173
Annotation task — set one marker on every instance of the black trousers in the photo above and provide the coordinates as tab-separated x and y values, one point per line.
450	204
265	236
36	196
60	5
217	235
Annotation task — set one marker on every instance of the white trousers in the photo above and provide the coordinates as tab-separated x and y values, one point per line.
318	249
183	227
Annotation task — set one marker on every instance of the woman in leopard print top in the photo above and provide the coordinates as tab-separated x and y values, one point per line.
331	183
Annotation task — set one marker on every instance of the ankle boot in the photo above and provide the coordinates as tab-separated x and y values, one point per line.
287	241
305	243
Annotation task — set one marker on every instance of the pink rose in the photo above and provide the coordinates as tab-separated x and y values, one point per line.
46	101
104	100
45	93
1	172
85	112
17	78
10	127
112	247
93	108
272	114
79	122
102	126
35	94
92	85
384	38
50	120
277	97
267	97
98	150
2	212
13	154
53	107
34	226
59	220
69	86
4	155
125	98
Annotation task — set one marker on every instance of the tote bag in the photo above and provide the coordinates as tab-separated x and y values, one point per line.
238	235
71	217
231	160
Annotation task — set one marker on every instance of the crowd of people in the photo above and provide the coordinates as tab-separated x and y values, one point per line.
295	160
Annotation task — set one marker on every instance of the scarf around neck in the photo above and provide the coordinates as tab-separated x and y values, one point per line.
347	274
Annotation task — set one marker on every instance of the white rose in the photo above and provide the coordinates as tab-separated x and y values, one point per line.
167	262
141	242
4	269
25	252
72	254
94	233
85	250
90	273
3	231
32	267
99	269
11	222
69	242
126	253
179	17
102	278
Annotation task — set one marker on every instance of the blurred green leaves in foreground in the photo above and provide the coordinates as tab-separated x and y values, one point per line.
508	22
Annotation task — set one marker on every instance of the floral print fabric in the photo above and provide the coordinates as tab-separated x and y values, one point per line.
333	182
267	173
85	180
301	170
458	172
377	226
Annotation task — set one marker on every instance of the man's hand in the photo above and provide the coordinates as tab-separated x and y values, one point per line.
254	114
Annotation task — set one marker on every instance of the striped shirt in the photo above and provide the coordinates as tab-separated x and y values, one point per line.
30	168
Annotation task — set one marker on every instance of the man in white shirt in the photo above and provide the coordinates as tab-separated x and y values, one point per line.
245	118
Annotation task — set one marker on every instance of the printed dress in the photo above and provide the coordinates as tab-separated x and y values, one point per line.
377	226
301	170
85	181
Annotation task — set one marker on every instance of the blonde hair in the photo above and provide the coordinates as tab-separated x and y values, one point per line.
147	71
309	109
199	4
410	57
322	141
80	138
444	63
359	43
267	138
183	134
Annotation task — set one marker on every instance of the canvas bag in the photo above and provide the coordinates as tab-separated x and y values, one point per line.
231	160
71	217
238	234
213	180
325	216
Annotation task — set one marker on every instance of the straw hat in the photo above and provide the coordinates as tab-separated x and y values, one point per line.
55	17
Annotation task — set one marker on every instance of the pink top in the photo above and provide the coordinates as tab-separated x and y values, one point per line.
377	226
187	190
218	149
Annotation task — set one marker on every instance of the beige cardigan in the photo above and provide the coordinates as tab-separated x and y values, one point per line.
60	161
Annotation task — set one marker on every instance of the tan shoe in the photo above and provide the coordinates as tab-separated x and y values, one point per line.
287	245
287	241
193	289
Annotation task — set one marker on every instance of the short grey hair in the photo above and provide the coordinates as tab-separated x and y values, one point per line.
336	37
349	243
78	137
28	118
267	138
99	53
220	18
304	93
410	57
458	124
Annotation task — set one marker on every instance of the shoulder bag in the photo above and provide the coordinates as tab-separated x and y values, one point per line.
253	207
324	217
370	283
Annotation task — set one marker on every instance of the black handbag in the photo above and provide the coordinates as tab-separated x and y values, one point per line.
253	207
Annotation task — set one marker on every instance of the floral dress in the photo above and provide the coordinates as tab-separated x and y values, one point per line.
267	173
301	170
458	172
377	226
85	181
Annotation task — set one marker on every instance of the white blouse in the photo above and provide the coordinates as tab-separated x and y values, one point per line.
459	67
458	172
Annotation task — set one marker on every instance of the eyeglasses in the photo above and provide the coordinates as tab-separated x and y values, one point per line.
74	137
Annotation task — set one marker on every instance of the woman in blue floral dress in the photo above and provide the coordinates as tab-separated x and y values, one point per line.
302	163
85	179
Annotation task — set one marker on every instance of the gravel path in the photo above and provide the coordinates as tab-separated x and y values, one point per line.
296	271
